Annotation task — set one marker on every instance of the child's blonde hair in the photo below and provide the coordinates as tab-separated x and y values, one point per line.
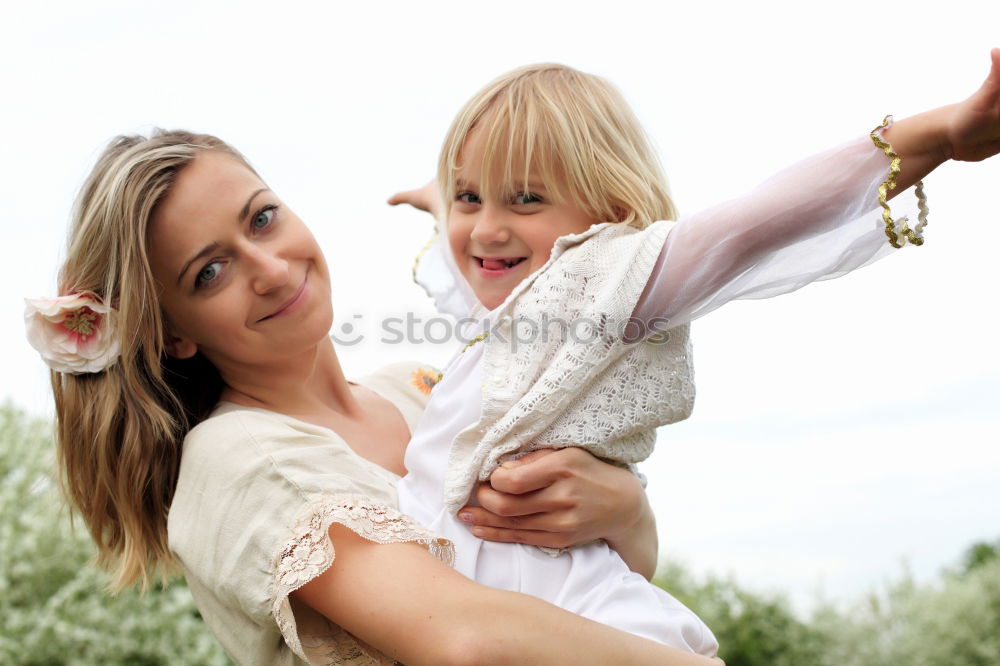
574	131
119	431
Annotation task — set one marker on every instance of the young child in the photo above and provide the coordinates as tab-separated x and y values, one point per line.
556	217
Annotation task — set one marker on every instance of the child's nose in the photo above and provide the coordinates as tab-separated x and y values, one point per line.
269	271
490	228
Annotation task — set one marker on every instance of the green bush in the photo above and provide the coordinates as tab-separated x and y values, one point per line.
952	621
51	602
753	629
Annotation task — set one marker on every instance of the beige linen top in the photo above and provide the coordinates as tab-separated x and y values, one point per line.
256	494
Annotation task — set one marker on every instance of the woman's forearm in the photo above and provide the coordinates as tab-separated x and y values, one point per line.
417	610
639	544
517	629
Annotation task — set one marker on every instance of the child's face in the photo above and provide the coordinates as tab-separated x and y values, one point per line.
496	244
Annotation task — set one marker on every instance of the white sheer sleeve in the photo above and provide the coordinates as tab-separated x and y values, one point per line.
816	220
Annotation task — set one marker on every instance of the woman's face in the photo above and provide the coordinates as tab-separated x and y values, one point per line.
242	279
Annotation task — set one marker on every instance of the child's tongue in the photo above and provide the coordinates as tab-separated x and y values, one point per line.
494	264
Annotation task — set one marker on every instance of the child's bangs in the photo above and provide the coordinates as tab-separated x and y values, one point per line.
520	152
568	131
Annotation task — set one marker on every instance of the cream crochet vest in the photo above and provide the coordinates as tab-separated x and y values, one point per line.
557	371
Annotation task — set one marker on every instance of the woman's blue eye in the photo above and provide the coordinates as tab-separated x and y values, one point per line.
523	198
263	218
208	273
468	197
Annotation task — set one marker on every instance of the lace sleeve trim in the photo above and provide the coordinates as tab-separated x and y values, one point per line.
309	552
898	238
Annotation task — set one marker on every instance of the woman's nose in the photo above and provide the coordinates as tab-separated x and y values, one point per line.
269	271
491	227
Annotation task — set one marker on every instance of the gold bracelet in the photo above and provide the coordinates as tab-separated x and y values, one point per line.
915	235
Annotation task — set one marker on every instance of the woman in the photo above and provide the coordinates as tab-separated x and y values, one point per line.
188	284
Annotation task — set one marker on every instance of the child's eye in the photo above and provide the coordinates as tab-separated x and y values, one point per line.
468	197
524	198
263	218
208	274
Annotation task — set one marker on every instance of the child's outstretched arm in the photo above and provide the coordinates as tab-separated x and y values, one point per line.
426	198
968	131
817	219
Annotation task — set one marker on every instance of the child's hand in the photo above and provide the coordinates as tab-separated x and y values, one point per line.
426	198
974	134
968	131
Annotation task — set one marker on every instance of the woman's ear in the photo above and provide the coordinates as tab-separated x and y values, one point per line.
178	347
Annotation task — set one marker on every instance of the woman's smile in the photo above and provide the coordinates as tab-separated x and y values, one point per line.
293	304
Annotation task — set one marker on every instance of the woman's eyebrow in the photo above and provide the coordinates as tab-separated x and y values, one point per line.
215	246
206	251
246	208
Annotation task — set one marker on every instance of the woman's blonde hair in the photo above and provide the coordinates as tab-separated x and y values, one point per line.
119	432
574	131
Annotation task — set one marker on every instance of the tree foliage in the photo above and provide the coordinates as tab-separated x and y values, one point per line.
752	628
51	600
953	621
980	555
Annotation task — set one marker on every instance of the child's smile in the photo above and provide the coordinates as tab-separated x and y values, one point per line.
497	267
498	264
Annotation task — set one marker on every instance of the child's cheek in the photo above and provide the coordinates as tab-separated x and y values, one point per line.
457	240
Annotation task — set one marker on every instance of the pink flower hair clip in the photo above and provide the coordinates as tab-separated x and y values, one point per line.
75	334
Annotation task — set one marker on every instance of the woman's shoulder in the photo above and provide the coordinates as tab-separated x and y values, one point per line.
232	428
245	467
240	450
416	378
407	385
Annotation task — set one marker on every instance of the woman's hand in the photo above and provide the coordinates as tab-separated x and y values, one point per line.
566	497
426	198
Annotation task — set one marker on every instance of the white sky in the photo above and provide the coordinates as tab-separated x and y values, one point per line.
839	431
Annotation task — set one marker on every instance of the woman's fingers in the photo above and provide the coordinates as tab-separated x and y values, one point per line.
534	471
540	529
527	537
524	504
479	517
